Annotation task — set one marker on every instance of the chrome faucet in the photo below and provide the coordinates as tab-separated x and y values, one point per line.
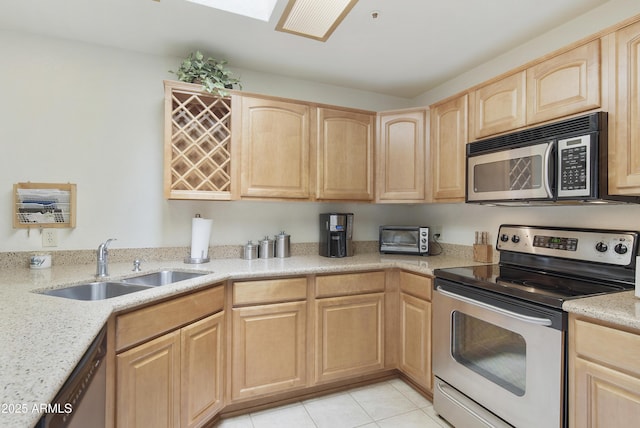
102	269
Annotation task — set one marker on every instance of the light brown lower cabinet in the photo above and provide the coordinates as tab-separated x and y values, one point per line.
269	349
349	329
268	337
148	379
604	375
174	379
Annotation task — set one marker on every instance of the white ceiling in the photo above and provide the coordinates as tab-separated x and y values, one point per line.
412	47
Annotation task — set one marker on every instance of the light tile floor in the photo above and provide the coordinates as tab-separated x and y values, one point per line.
389	404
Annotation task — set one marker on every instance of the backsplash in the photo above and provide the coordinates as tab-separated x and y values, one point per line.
122	255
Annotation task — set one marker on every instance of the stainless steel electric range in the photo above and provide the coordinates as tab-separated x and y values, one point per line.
499	331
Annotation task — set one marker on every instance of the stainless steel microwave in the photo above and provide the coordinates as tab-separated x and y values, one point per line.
562	162
404	240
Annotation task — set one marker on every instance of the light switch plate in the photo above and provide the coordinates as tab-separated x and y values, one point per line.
49	238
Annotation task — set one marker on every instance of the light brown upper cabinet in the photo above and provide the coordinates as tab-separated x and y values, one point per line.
449	137
200	156
345	155
275	140
564	84
498	107
624	143
401	156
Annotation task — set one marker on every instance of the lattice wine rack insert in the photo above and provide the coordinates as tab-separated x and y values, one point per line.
201	142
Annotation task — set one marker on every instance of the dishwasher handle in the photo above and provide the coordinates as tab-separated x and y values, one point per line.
525	318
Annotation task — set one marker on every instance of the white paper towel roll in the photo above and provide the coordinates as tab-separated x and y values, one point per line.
200	235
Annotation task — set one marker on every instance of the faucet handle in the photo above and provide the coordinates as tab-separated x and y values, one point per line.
136	265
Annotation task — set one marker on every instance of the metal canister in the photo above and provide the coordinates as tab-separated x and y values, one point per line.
250	251
267	248
282	245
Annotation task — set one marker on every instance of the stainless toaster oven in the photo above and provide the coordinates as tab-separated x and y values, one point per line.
404	240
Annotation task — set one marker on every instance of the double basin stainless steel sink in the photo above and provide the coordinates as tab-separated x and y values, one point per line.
101	290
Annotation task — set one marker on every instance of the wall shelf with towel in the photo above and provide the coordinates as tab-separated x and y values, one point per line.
44	205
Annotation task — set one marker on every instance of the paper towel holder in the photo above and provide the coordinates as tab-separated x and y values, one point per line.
196	260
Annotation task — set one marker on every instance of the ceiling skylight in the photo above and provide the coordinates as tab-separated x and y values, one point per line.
314	19
256	9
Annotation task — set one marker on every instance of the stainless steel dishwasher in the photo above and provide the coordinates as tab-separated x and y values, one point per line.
81	400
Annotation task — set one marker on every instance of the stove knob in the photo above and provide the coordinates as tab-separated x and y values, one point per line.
621	249
515	239
601	247
504	237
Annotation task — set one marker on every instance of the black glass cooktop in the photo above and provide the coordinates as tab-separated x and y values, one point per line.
530	285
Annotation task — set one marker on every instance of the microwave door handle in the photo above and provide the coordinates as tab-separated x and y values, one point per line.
521	317
545	171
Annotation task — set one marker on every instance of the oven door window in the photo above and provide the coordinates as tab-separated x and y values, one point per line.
495	353
401	238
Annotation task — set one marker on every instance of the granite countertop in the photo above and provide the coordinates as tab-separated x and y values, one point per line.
622	308
43	337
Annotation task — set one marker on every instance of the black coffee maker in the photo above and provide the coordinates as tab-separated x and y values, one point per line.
336	234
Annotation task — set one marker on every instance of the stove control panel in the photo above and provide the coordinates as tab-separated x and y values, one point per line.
596	245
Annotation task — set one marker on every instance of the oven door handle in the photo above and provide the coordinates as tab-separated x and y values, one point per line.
531	320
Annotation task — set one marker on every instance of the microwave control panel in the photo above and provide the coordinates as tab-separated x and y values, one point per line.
574	160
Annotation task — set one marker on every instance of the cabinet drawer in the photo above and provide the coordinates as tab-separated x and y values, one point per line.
349	284
416	285
144	324
610	346
269	291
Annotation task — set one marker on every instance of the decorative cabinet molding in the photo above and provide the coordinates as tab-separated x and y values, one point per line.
200	154
604	374
498	107
269	337
565	84
402	156
349	336
269	349
345	155
624	140
449	137
275	139
415	328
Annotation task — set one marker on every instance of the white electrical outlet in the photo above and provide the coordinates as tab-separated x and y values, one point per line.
49	238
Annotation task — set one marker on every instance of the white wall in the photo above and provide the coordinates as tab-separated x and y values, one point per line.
90	115
610	13
73	112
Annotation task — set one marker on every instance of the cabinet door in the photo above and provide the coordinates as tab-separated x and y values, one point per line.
415	338
603	397
269	349
349	336
275	149
624	149
401	155
448	144
498	107
345	155
148	384
566	84
201	372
